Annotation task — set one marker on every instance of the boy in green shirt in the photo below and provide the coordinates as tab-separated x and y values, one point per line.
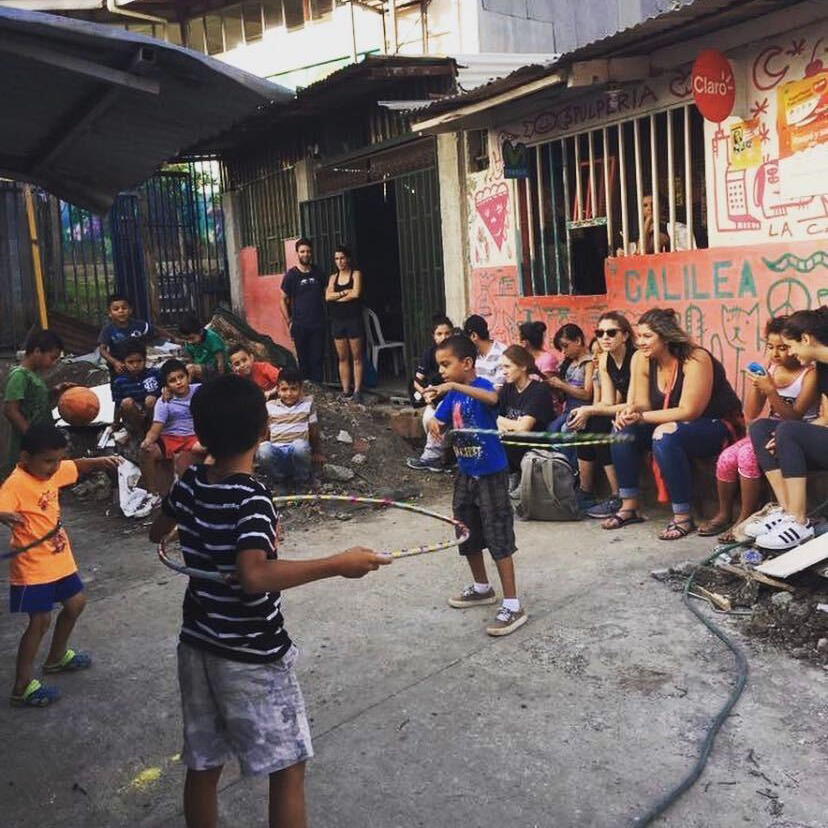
27	401
204	350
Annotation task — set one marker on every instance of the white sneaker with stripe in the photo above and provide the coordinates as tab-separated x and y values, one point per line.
785	535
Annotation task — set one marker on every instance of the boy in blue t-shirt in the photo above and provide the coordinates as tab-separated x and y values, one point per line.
481	488
136	391
120	330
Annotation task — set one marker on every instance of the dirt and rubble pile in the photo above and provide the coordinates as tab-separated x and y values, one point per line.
794	620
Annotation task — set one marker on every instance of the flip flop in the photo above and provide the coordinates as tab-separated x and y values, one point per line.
617	521
707	530
683	529
70	663
35	695
726	537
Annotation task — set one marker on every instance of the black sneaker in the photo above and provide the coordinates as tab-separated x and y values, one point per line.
425	465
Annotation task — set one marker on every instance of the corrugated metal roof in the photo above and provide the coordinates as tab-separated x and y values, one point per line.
474	70
681	24
89	110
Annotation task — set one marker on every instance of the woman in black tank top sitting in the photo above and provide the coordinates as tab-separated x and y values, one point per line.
343	296
617	342
680	406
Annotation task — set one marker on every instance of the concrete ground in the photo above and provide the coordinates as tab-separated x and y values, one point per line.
581	718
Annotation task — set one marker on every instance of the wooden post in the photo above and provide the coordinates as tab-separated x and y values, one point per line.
36	261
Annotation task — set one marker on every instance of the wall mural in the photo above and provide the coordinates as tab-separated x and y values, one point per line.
724	296
767	172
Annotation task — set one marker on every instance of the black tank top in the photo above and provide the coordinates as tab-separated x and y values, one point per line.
723	399
620	375
345	310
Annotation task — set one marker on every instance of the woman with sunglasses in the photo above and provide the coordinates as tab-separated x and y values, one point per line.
616	340
680	406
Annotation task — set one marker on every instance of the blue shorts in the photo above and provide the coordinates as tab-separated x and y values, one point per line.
43	597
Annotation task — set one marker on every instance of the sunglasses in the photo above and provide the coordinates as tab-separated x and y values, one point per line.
610	332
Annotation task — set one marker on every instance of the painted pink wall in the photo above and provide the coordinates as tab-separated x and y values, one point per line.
261	298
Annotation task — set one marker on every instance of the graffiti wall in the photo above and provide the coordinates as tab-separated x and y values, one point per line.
724	296
767	171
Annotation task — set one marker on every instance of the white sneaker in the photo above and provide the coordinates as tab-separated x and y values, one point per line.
785	535
762	525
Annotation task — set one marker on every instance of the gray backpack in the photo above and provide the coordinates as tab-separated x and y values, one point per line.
547	487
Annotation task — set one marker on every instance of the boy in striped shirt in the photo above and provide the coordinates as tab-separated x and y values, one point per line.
294	433
239	692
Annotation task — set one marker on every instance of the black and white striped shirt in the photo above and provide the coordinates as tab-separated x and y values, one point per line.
215	521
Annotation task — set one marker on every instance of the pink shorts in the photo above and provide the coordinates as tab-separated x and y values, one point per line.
172	444
738	460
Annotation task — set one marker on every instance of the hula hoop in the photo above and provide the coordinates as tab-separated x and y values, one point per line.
19	550
461	530
566	444
562	436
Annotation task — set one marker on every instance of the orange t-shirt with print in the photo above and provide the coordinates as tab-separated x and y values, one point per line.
36	502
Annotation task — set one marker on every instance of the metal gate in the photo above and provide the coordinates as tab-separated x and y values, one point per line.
17	302
162	245
328	222
421	257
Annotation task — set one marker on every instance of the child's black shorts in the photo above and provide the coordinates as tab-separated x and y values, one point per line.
483	504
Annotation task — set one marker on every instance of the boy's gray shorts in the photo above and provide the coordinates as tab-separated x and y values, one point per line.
254	712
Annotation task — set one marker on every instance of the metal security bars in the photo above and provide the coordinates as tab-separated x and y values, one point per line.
632	187
269	212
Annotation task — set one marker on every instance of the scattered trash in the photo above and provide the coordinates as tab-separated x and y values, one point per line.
358	459
751	556
796	560
822	607
344	437
134	501
781	599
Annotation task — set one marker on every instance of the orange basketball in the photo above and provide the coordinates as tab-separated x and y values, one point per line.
78	406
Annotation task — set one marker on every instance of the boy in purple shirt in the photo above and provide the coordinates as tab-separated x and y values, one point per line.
171	437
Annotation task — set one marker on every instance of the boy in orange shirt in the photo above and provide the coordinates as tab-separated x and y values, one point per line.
244	364
42	569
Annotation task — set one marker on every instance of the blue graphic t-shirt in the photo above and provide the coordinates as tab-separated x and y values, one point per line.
477	454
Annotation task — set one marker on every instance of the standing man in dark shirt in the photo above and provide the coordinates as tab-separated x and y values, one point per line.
303	307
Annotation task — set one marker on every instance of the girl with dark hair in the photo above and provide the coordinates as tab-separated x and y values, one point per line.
786	454
574	378
616	340
343	296
531	338
790	390
680	406
524	403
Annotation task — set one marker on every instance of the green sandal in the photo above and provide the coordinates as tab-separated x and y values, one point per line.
70	663
35	695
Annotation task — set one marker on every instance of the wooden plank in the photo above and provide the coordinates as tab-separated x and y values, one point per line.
717	600
796	560
753	575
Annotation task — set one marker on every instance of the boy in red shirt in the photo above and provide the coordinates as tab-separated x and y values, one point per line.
43	571
265	375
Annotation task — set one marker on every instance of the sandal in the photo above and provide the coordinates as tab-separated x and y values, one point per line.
677	529
618	521
35	695
707	530
727	537
70	663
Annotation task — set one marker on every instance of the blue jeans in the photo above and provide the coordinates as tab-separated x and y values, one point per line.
672	451
285	461
558	425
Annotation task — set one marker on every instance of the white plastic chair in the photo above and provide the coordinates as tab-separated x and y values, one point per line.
377	343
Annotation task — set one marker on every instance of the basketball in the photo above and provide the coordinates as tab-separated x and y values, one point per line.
78	406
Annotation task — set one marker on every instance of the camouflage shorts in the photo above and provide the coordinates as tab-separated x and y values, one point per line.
254	712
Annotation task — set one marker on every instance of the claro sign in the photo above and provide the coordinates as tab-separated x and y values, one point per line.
713	85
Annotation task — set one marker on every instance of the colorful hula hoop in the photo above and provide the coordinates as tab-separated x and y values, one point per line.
461	530
591	442
558	436
19	550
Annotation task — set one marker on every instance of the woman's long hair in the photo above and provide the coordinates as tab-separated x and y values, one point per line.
811	322
523	359
533	333
664	322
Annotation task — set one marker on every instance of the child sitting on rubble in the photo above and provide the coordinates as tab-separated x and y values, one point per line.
204	349
295	441
244	364
135	392
171	437
121	329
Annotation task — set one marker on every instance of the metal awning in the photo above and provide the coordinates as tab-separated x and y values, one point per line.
89	110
